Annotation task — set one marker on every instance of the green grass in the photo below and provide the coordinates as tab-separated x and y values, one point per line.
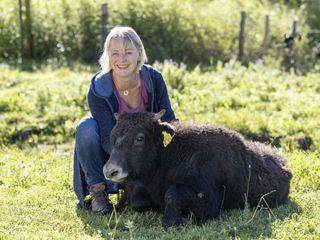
37	202
39	111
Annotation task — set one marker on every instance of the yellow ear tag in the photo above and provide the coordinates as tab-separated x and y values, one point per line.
167	138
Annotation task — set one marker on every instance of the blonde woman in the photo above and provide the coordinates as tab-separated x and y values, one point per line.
125	84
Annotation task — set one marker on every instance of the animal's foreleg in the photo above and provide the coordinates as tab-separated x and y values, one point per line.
139	198
177	198
181	199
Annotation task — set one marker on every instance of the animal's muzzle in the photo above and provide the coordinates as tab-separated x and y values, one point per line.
114	172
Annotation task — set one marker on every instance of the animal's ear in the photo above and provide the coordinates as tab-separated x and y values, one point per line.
167	131
167	127
116	116
159	115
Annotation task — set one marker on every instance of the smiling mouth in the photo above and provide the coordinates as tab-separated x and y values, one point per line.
123	66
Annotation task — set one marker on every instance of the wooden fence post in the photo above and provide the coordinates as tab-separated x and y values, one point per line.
291	46
265	43
289	58
104	22
28	25
242	37
21	30
294	28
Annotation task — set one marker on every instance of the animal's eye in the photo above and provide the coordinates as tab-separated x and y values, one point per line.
139	139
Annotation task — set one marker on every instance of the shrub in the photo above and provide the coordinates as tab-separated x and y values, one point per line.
193	32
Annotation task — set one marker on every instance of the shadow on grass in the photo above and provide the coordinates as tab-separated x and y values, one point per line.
300	140
105	225
256	223
244	224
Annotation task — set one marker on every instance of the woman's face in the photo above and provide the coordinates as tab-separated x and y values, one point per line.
123	57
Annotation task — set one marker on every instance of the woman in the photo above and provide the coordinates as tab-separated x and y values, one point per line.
125	84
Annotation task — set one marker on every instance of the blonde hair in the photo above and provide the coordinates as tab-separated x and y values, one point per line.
128	34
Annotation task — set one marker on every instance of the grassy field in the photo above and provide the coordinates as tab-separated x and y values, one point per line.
39	112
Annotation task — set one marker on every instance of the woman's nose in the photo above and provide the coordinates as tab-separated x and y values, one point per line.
123	57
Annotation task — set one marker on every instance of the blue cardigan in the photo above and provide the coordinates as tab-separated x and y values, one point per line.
103	104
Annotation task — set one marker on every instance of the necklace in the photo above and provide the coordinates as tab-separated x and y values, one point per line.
127	91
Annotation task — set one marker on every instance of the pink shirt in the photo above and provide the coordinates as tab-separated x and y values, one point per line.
143	104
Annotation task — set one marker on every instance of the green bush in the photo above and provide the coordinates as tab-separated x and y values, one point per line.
313	20
267	105
41	107
192	32
90	31
263	104
9	31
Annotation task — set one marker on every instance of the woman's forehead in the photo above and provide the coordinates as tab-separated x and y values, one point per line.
121	43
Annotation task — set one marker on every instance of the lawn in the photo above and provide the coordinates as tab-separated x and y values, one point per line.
39	112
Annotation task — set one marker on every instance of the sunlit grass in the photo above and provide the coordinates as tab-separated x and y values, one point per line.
40	110
37	202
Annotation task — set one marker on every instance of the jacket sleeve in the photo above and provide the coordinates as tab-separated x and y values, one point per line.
162	100
102	113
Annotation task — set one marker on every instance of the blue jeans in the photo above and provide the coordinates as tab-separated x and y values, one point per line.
89	159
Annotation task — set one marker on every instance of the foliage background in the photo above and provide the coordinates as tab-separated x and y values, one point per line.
194	32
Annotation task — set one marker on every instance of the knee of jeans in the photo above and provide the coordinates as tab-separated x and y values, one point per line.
87	129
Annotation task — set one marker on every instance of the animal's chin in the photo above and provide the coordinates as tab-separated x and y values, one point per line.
118	179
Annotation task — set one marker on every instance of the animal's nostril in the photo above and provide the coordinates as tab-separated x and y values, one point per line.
114	173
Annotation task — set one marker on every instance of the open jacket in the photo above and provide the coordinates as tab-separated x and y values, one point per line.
103	104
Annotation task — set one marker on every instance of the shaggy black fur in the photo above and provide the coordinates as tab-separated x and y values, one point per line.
203	170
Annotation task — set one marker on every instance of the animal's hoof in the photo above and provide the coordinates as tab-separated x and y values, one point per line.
175	222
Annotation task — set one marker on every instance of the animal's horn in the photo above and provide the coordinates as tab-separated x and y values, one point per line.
158	115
